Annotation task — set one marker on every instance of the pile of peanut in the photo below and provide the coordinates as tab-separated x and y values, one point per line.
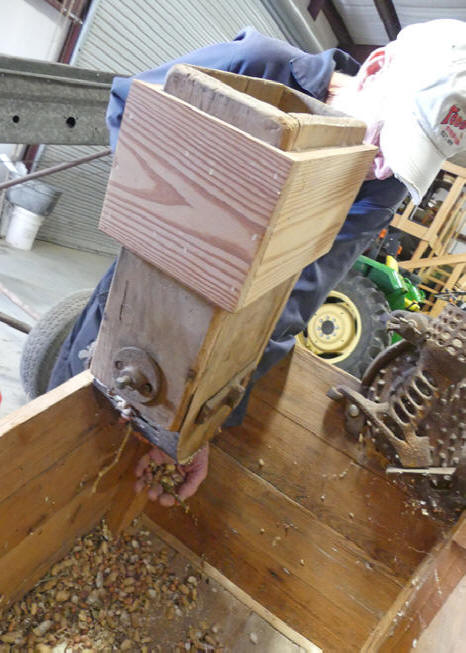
101	597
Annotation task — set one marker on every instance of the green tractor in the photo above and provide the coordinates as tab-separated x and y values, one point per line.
349	330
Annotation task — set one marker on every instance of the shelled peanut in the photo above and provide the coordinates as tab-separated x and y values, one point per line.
101	597
168	477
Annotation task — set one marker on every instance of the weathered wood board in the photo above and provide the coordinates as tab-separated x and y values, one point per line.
51	451
198	347
420	613
272	112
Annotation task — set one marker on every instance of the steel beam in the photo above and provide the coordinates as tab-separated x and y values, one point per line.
389	17
43	102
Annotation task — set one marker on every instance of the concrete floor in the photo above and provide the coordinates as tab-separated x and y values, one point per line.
40	278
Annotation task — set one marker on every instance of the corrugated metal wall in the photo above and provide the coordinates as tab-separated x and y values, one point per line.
125	37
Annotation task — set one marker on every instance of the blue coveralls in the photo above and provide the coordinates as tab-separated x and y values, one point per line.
256	55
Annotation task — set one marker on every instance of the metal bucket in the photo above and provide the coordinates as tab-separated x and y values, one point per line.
34	196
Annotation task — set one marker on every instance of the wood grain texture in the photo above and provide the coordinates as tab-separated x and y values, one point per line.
334	599
211	572
127	505
235	341
307	567
312	208
190	194
292	471
257	106
41	433
38	499
23	566
257	114
51	452
423	597
447	630
198	347
148	309
200	198
359	503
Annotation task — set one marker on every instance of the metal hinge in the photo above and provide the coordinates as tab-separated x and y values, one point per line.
230	395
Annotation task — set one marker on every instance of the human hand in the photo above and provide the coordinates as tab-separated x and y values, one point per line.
193	474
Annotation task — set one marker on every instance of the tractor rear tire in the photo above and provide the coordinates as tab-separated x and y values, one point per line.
45	340
370	336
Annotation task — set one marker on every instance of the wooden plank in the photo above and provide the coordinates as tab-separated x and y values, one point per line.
213	573
400	219
38	499
24	565
447	630
443	213
39	434
410	227
366	508
446	259
235	342
52	452
310	213
423	597
127	505
150	310
334	598
259	116
324	131
448	166
296	389
196	211
261	113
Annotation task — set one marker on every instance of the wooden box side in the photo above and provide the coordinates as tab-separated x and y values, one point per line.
270	111
148	309
275	514
431	608
314	204
191	194
51	452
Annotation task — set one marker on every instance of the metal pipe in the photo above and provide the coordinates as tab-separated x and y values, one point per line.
58	168
16	300
14	323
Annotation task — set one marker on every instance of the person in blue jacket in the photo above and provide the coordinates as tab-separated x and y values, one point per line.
412	96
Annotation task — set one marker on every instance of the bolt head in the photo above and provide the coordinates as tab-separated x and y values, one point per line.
353	410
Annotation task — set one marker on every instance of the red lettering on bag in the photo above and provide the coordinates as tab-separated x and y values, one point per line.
452	113
454	118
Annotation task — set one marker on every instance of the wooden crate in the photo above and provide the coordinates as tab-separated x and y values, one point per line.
343	558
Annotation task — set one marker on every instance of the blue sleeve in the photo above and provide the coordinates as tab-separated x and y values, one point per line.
217	56
250	53
214	56
372	210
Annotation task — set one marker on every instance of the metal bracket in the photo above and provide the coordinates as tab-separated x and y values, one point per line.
43	102
230	395
157	436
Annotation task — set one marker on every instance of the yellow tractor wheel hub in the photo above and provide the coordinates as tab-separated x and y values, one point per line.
334	330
